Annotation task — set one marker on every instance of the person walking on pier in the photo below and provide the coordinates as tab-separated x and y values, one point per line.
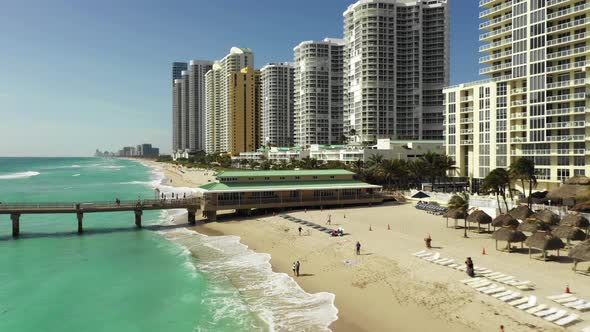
118	201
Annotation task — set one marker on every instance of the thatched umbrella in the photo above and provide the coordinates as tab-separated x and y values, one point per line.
521	212
569	233
547	216
580	252
479	217
533	225
576	220
505	220
568	192
455	214
509	235
544	241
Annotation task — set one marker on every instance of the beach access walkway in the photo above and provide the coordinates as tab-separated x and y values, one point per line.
16	210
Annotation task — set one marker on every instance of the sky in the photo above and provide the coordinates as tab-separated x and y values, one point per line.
81	75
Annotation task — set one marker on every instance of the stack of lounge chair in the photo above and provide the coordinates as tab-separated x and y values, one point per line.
494	284
431	208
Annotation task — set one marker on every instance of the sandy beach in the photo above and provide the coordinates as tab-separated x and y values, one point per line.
386	288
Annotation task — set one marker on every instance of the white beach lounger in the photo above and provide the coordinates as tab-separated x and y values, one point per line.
421	252
491	275
493	291
502	294
517	283
556	315
442	260
499	276
531	303
586	329
567	320
510	297
546	312
484	272
574	304
462	268
566	299
479	269
438	260
520	301
536	309
433	257
526	286
470	280
583	307
447	263
557	297
480	284
505	280
485	288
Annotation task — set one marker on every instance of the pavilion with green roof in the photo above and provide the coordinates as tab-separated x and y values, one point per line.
246	190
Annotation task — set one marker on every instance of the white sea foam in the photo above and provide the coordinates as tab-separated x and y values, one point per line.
75	166
19	175
76	175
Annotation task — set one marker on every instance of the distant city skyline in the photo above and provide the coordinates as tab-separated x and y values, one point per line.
77	76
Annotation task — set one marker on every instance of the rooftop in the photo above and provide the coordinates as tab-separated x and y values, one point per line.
287	185
308	172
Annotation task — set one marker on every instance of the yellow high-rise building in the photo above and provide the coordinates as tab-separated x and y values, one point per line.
244	110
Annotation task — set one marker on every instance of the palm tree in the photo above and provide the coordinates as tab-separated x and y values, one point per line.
496	182
415	169
460	202
523	169
375	160
392	169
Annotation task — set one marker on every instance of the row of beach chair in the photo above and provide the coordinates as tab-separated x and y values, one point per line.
431	208
492	283
307	223
570	301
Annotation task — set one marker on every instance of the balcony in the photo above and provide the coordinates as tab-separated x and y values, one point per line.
486	2
552	3
567	110
566	53
547	152
466	142
495	68
518	128
564	84
565	138
466	120
568	11
518	115
495	56
496	9
466	98
572	96
568	25
567	39
466	109
492	23
521	102
518	91
466	131
495	33
495	45
566	66
569	124
518	140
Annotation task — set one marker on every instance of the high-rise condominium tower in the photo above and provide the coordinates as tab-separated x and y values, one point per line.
318	92
184	111
177	68
277	104
217	82
196	107
176	114
244	111
535	102
396	63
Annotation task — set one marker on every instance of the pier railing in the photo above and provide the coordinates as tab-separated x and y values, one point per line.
129	204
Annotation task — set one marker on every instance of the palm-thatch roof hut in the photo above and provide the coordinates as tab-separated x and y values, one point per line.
581	252
521	212
569	233
455	214
533	225
544	241
509	235
547	216
570	190
505	220
479	217
575	220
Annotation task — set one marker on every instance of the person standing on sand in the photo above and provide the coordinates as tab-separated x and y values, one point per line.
358	248
470	270
300	229
428	241
294	269
329	222
501	328
297	266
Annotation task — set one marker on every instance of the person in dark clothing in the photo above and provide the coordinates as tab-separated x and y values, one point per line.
297	266
358	248
300	229
469	265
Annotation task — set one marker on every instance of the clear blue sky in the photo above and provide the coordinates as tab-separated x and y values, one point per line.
79	75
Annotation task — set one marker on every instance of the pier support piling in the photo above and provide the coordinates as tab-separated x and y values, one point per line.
211	215
80	216
138	214
192	216
15	217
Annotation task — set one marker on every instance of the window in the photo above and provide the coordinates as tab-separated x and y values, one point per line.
579	161
563	174
563	161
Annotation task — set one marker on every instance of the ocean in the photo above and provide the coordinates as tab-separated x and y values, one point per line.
118	278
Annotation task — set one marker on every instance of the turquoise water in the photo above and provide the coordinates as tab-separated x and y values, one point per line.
113	278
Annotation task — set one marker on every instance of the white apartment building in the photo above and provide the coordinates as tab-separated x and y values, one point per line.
217	97
196	104
396	64
184	111
318	92
277	104
535	102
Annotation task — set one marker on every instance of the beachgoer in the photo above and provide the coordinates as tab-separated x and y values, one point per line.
501	328
428	241
297	266
300	229
184	195
294	269
469	264
329	222
358	248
